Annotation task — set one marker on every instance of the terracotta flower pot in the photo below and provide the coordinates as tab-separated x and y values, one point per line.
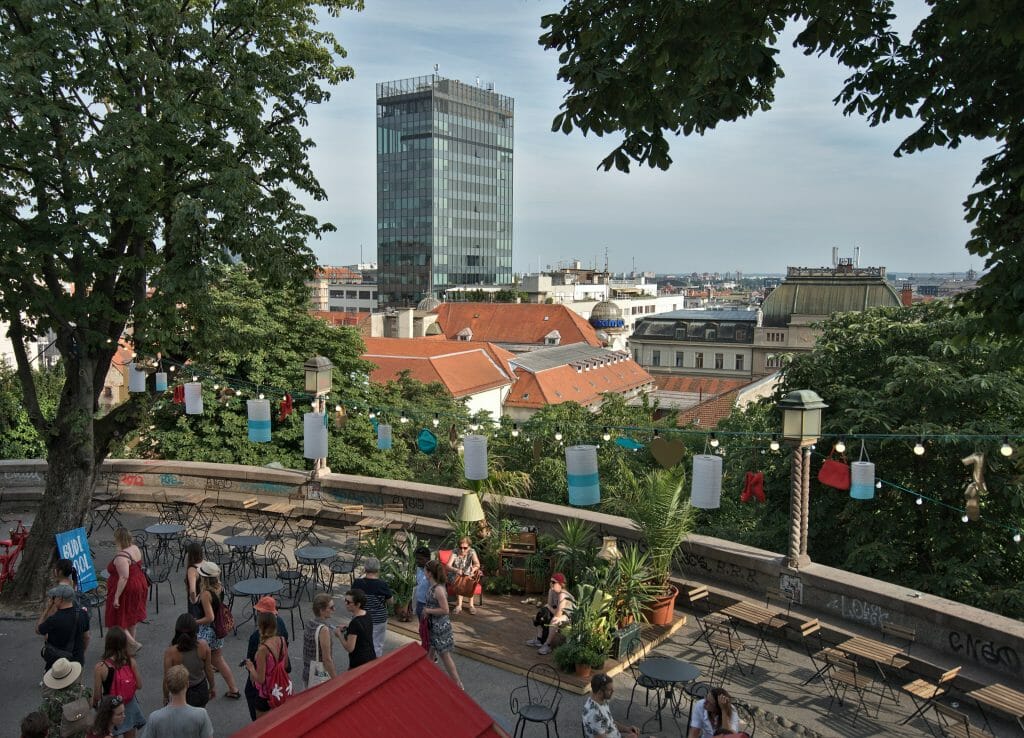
583	671
662	610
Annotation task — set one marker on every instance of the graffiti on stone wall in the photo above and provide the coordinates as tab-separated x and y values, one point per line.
268	488
859	611
132	480
356	498
217	485
31	476
716	568
170	480
985	652
793	587
407	502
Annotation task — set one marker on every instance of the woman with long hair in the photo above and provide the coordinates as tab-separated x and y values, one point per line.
464	560
193	558
713	713
442	639
211	593
110	715
271	651
317	639
115	674
186	649
127	587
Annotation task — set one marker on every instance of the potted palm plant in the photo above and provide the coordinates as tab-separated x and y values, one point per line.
575	552
589	634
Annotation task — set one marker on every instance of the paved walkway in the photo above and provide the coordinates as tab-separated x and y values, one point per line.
773	690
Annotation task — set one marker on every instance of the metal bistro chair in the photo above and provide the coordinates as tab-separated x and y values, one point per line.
639	680
96	599
817	651
157	571
292	600
538	700
926	692
696	691
748	724
726	647
957	725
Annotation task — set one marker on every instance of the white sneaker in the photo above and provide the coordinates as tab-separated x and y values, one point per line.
533	642
544	650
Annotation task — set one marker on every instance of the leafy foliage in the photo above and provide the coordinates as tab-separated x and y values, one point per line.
19	439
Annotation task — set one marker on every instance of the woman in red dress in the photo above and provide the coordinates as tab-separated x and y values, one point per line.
127	588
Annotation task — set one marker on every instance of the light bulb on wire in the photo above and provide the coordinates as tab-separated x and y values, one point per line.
919	500
1016	537
558	434
713	441
919	447
964	518
840	445
606	435
436	421
403	418
515	430
1006	449
774	445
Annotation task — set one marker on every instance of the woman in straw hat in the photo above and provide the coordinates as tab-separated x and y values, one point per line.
211	594
60	687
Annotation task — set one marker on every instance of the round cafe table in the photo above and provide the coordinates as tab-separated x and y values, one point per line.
667	673
244	553
254	589
313	556
164	533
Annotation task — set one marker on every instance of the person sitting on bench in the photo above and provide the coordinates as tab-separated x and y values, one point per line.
554	612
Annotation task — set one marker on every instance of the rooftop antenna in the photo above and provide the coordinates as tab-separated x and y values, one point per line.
606	259
436	68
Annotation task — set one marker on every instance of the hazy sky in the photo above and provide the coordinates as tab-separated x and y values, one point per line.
775	190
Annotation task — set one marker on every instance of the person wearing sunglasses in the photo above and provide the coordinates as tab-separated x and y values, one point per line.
553	614
597	714
464	560
357	636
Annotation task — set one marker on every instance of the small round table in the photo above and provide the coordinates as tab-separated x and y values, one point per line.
254	589
667	673
313	556
245	550
165	533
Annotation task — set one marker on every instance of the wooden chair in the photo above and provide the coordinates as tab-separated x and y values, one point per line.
726	647
903	637
699	601
955	724
843	675
925	692
817	651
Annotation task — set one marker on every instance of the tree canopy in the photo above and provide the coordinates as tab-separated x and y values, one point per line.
648	68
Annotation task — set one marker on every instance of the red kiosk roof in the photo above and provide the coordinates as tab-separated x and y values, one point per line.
400	693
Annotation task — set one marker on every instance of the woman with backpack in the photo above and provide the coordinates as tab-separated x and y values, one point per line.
117	675
211	597
272	683
186	649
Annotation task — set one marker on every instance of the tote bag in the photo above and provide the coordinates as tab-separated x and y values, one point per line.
317	672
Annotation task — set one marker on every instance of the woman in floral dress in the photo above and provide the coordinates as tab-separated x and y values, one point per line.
442	640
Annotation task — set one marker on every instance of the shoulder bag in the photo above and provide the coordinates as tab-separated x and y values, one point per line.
317	672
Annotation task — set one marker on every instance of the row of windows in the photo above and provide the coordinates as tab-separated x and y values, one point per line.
353	295
774	336
698	360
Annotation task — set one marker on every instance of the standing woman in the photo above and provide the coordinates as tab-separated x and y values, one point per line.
186	649
442	640
110	715
127	588
211	594
316	639
271	651
117	674
193	558
463	561
357	636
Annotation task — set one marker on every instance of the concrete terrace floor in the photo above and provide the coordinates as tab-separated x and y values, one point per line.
781	705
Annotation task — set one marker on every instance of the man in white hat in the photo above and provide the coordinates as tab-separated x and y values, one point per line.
61	686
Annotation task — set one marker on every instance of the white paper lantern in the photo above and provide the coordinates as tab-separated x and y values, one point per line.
259	420
706	492
161	381
383	436
136	378
193	398
475	456
314	436
581	473
862	480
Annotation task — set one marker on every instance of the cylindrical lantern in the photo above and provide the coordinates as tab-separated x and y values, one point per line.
475	456
314	436
161	381
136	378
581	473
862	480
383	436
706	492
259	420
193	398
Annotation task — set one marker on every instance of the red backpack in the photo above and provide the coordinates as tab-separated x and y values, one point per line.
122	681
277	685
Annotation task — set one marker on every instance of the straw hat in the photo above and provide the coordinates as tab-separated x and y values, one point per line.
209	569
62	674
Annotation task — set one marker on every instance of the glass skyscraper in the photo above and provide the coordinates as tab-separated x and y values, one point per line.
444	188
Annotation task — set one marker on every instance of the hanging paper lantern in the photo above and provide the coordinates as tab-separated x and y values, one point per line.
259	420
628	443
136	378
862	480
475	457
161	381
193	398
426	441
581	473
383	436
706	492
314	436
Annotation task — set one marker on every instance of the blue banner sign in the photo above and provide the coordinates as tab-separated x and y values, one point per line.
74	545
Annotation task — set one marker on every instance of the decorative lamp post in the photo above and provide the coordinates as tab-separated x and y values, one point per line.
801	428
319	381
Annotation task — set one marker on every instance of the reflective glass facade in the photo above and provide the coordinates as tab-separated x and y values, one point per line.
444	188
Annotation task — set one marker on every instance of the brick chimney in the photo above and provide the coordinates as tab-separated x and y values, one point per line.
907	295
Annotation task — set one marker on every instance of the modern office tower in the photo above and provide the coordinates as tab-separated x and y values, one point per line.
444	188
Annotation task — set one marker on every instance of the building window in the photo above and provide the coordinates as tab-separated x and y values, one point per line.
655	358
774	361
719	361
698	360
679	358
636	355
739	362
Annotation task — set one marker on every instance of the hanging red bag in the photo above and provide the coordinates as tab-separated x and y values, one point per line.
835	473
753	487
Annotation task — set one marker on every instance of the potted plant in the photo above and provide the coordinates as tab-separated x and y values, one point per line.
631	583
575	552
401	574
589	634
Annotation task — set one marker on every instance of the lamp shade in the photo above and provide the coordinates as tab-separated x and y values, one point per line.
706	490
259	420
319	372
383	436
160	378
470	510
314	436
193	398
136	378
609	550
801	415
862	480
581	474
475	456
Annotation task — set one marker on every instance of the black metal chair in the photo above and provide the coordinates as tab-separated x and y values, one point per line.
96	599
343	564
639	680
726	647
538	700
748	723
697	691
214	552
292	600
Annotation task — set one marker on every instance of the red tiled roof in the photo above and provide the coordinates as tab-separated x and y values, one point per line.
337	318
564	383
709	413
697	385
464	367
401	693
339	274
525	323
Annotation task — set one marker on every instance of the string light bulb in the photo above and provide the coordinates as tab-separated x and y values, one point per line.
1016	537
840	445
919	500
436	421
606	435
964	518
774	445
372	415
919	447
216	387
515	430
403	418
713	441
1006	449
195	378
878	484
558	434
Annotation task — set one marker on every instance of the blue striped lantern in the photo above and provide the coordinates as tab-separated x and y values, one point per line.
259	420
161	381
581	468
862	480
383	436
